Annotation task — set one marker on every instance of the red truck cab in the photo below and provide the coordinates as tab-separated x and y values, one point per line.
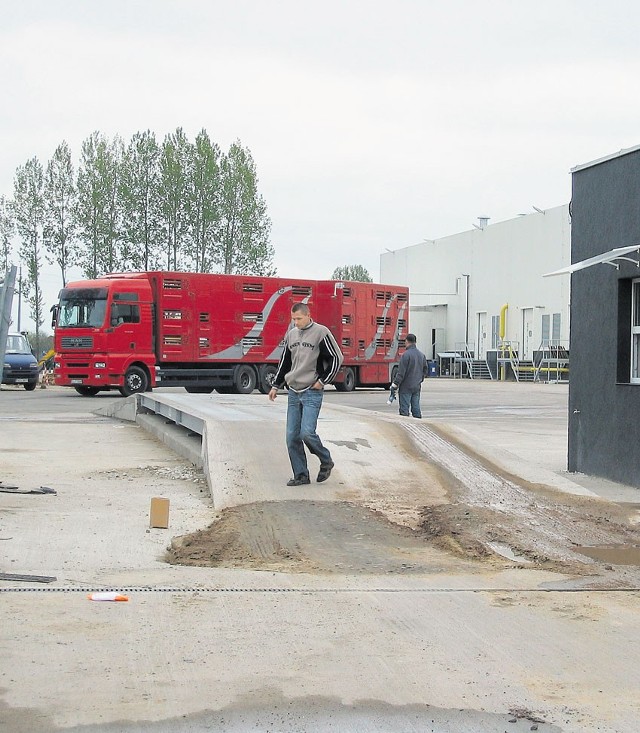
103	337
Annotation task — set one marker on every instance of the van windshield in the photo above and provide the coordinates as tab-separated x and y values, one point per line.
82	307
17	344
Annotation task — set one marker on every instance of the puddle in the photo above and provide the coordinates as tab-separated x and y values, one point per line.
506	551
613	554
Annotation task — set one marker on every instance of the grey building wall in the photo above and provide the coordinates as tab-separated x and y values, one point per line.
604	407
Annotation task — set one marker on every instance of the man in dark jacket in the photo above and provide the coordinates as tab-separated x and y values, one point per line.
413	368
310	359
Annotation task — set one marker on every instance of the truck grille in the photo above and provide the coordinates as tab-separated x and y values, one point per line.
77	342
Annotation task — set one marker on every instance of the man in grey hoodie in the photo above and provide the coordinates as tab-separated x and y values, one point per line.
310	359
413	368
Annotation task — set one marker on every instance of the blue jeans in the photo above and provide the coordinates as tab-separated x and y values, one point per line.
409	399
303	410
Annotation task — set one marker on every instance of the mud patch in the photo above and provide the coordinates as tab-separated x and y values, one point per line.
541	526
311	536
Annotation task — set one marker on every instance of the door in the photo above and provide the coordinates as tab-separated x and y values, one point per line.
527	333
481	335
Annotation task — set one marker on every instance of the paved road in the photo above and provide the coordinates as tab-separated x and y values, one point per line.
233	649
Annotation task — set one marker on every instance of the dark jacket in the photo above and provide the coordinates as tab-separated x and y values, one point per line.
413	368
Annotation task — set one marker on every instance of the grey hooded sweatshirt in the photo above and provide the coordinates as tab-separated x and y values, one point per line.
310	354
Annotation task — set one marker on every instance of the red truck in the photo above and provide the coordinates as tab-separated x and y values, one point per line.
139	330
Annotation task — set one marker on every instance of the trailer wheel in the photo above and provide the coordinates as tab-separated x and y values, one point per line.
349	381
244	379
267	373
135	380
87	391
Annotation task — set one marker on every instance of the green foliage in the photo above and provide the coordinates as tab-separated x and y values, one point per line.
28	213
203	202
352	272
97	211
177	205
242	244
7	229
172	196
139	203
59	201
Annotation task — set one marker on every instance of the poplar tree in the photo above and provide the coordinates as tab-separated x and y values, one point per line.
7	229
173	187
28	212
140	204
203	202
59	203
96	210
242	242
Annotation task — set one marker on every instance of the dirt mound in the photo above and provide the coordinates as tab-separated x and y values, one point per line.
310	536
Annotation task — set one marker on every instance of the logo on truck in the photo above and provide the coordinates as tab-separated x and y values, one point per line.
238	350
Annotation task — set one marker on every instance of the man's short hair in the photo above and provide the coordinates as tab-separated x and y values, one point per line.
300	308
411	338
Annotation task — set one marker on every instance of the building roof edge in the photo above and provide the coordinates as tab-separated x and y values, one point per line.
604	159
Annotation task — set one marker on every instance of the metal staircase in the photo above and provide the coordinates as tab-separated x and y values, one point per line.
479	369
510	364
552	361
468	365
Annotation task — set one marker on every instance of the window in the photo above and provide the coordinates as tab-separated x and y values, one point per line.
546	329
122	313
495	331
635	331
555	328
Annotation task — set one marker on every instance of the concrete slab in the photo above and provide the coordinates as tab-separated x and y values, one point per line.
232	649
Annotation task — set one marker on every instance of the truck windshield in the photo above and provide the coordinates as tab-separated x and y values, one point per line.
82	307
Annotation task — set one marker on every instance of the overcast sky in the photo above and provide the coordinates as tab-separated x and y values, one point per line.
372	124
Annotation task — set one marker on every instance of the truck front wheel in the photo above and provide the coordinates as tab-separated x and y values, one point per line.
135	380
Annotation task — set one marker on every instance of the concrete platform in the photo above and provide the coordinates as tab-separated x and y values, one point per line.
214	431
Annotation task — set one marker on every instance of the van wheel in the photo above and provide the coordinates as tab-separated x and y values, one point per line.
244	379
135	380
30	386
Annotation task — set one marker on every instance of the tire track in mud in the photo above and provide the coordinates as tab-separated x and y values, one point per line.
531	521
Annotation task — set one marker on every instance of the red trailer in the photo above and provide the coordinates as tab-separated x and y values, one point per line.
134	331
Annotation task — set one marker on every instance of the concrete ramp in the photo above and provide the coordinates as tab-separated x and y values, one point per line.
244	454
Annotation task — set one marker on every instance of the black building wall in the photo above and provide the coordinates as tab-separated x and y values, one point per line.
604	407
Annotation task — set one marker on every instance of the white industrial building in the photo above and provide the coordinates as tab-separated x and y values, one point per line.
479	299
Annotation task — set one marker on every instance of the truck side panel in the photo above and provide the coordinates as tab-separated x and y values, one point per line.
224	318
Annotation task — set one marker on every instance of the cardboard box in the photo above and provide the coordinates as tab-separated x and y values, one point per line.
159	513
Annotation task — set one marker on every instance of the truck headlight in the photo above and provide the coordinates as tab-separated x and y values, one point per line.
100	365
